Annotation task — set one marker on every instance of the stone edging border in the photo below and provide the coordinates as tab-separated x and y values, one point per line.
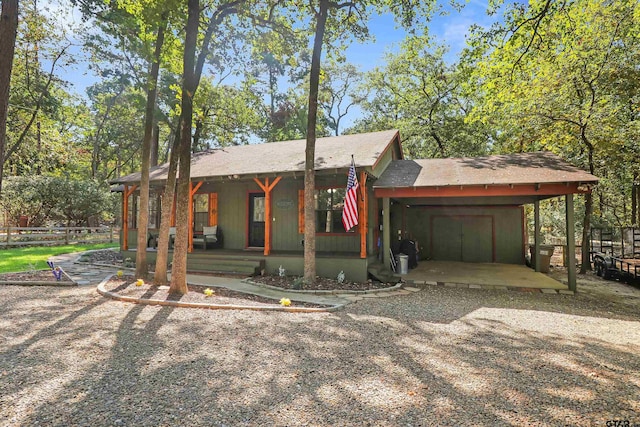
328	291
102	291
424	284
61	283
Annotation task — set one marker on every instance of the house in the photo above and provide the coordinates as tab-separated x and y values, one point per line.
468	209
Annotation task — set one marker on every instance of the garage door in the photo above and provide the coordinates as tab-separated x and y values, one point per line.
466	238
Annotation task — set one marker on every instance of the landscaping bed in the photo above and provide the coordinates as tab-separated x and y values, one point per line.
320	284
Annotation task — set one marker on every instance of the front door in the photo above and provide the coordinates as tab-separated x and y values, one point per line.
256	220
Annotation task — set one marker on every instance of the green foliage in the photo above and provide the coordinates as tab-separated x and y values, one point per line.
420	94
225	115
565	79
44	198
38	128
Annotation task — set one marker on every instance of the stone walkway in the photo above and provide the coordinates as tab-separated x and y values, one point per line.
84	274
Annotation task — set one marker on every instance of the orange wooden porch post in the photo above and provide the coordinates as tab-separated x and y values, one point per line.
364	218
125	215
266	187
192	191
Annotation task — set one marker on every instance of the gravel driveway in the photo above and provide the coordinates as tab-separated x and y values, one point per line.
442	356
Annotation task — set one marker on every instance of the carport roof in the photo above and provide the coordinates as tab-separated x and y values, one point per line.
534	175
540	167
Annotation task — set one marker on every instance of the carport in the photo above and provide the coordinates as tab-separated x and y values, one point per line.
470	210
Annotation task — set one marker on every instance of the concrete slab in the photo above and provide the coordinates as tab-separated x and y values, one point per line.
499	275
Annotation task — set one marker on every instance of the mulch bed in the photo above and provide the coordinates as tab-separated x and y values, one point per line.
126	286
31	276
320	284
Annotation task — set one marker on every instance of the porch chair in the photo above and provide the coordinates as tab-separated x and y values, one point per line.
211	238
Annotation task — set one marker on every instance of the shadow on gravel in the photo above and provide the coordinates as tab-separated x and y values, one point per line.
432	358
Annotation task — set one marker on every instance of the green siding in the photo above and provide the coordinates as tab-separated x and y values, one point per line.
452	224
383	162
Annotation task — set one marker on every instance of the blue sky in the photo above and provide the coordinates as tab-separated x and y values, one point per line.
449	30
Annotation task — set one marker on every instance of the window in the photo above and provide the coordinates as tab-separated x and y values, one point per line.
200	212
132	213
154	211
329	203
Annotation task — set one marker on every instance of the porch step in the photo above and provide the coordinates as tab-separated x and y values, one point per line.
226	266
378	272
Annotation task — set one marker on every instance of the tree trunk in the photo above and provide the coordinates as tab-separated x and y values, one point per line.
160	276
142	268
166	208
189	85
310	151
8	32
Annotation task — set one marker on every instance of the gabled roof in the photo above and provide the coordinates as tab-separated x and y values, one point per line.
282	157
508	169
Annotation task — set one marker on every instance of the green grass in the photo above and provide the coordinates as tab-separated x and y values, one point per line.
35	258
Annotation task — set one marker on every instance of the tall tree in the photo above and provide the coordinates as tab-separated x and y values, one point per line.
142	269
310	150
348	19
8	31
552	82
192	72
189	86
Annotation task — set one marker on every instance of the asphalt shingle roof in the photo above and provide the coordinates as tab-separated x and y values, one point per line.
521	168
281	157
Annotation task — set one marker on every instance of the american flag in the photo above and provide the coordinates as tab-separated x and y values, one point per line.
350	210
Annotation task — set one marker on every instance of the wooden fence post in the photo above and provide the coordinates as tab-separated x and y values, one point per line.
66	235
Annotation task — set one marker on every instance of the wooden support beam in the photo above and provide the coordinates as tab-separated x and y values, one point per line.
268	221
386	232
125	219
536	234
571	243
363	201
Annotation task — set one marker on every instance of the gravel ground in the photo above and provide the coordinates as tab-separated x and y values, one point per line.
442	356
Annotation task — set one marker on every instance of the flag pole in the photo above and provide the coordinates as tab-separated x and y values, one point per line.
360	188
